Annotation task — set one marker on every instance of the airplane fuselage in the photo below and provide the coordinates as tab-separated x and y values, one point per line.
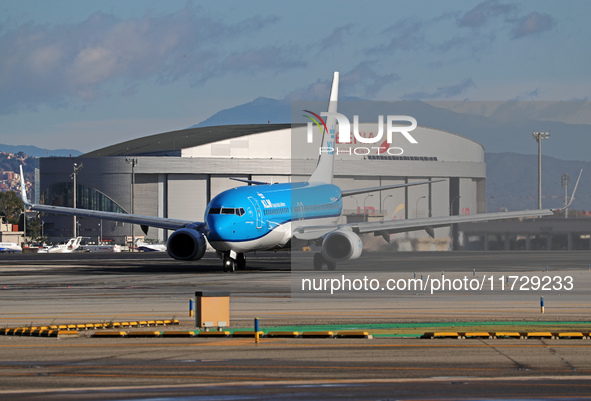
259	217
9	247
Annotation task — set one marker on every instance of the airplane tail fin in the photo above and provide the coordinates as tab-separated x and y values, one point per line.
324	169
24	189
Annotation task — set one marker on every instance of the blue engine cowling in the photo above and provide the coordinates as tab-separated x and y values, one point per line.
186	244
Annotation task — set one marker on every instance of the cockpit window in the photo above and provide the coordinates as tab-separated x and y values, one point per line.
239	211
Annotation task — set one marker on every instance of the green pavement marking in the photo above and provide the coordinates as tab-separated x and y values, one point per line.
418	329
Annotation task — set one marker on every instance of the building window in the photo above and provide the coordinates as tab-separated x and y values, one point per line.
60	194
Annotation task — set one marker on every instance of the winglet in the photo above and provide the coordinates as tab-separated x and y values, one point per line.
572	197
24	188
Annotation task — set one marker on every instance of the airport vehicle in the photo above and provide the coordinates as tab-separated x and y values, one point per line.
68	247
262	216
10	247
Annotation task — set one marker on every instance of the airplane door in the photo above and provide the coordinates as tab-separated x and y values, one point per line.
301	212
257	209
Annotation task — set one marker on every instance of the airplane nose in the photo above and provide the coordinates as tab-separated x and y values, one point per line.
219	230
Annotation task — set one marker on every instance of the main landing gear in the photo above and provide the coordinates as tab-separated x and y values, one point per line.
232	261
320	260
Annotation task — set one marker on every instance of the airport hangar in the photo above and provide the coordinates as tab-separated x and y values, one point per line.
176	174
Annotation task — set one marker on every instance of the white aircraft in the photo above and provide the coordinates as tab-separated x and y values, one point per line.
10	247
268	216
68	247
142	246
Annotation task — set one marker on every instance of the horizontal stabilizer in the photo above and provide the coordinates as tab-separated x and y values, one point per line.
250	181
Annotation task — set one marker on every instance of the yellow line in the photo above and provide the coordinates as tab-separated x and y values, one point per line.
298	343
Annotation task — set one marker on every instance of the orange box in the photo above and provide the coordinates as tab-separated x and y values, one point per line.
212	309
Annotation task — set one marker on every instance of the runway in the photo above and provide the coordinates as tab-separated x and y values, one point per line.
81	288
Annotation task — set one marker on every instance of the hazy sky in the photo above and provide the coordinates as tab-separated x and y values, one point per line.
88	74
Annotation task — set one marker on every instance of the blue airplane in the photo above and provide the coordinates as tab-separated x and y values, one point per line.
9	247
262	216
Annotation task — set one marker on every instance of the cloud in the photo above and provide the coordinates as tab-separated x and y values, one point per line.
532	24
483	12
362	79
444	92
519	25
336	37
405	34
43	64
252	60
527	95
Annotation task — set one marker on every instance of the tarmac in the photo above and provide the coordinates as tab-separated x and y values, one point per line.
39	290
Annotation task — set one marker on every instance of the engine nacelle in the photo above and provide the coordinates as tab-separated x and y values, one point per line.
186	244
341	245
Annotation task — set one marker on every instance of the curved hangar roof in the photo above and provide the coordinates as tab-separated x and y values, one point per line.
261	141
171	143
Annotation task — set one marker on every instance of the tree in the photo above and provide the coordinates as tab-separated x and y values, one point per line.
34	228
11	207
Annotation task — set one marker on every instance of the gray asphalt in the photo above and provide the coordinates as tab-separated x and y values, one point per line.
90	288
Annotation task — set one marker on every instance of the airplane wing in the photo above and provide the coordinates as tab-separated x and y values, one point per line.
385	228
158	222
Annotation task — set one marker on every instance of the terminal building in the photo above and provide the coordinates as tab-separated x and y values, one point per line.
176	174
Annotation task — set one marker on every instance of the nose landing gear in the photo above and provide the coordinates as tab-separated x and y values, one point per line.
231	261
229	264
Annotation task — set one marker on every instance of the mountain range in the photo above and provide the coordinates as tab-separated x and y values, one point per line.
498	126
34	151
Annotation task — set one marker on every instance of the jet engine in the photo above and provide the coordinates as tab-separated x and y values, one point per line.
341	245
186	244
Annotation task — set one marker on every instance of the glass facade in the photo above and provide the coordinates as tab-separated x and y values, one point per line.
60	194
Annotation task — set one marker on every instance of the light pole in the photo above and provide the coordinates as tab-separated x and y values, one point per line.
133	162
364	210
77	168
24	213
532	201
356	205
417	205
384	205
101	228
565	181
538	136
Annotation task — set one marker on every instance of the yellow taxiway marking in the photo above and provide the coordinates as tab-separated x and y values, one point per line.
121	343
